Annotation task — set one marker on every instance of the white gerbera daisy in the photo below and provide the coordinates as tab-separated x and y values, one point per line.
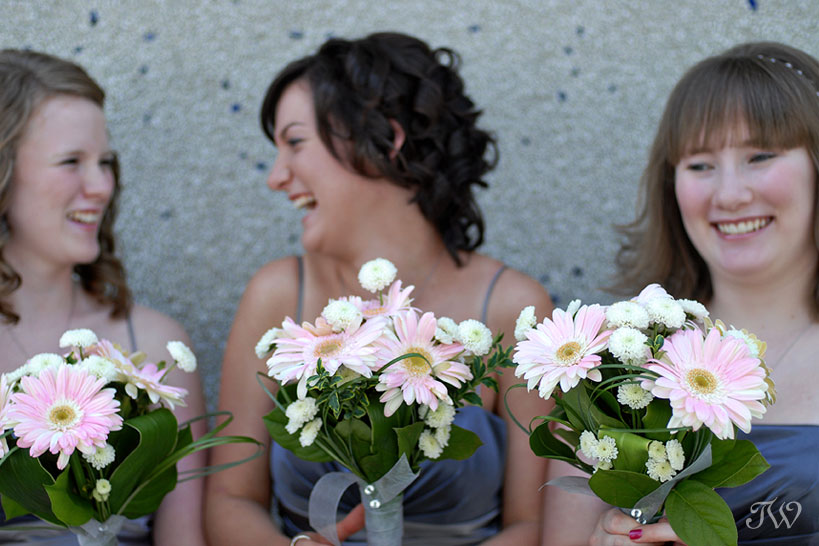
81	337
666	311
100	367
606	449
627	313
446	330
656	450
588	444
629	345
633	396
475	336
525	322
341	314
442	416
429	444
376	274
100	457
309	432
694	308
660	469
183	356
676	456
267	342
300	412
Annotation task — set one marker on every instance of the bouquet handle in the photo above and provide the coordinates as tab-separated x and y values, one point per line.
99	533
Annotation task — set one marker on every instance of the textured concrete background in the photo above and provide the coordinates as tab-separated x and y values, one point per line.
572	89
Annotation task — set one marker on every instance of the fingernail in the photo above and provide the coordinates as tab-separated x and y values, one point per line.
634	534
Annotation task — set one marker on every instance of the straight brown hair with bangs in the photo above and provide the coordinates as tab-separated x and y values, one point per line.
763	91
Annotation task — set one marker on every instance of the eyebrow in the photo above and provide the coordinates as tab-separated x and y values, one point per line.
287	128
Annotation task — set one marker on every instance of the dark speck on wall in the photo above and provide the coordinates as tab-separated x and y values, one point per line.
526	141
93	18
568	50
242	155
544	278
473	28
296	34
235	107
575	72
561	96
580	31
166	214
612	88
292	238
149	36
577	271
753	5
225	84
261	166
78	50
143	69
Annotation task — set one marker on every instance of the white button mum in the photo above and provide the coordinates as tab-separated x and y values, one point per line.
101	457
102	490
588	444
656	450
446	330
100	367
475	336
341	314
667	312
267	342
659	469
627	313
629	345
441	416
183	356
694	308
633	396
300	412
81	337
676	456
429	444
309	432
377	274
526	321
40	362
606	449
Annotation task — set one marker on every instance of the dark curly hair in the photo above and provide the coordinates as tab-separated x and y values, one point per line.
27	79
771	88
360	86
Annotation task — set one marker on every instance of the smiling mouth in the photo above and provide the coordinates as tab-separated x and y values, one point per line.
304	201
741	228
85	217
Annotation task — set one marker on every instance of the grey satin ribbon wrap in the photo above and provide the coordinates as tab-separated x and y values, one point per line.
649	504
99	533
382	502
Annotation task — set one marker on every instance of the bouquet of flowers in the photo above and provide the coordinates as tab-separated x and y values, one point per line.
651	392
374	385
86	439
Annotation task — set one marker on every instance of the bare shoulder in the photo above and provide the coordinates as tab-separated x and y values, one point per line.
513	291
275	285
153	330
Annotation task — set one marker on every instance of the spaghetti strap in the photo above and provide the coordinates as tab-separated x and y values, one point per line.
131	335
489	292
300	262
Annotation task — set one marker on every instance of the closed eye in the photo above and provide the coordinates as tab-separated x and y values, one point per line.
762	156
698	167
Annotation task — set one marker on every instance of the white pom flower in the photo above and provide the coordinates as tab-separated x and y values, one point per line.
100	457
694	308
627	313
753	345
440	417
100	367
656	450
265	344
429	444
603	465
300	412
629	345
377	274
40	362
526	321
102	490
666	311
659	469
183	356
309	432
572	308
634	396
442	435
341	314
475	336
82	337
446	330
588	444
606	449
676	456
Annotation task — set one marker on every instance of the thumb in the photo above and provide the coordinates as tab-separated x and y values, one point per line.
352	522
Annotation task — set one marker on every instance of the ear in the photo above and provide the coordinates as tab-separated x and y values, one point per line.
399	136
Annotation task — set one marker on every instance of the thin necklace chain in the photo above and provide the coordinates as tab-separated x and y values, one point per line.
791	345
19	344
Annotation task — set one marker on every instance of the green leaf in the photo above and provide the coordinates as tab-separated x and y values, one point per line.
544	444
657	416
720	449
473	399
462	444
632	450
275	421
741	465
22	479
12	508
621	487
408	438
157	434
571	437
699	515
70	508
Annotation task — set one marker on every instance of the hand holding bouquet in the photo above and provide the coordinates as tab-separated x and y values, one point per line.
374	386
651	392
87	439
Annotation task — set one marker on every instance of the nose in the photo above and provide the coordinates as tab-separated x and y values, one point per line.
99	182
280	174
733	190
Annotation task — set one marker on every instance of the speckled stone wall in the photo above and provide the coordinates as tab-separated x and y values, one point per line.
572	89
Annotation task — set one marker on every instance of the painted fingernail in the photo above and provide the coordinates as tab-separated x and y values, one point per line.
634	534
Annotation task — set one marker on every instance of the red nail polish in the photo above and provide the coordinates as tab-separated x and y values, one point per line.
634	534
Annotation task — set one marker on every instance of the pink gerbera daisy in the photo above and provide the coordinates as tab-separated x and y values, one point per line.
414	378
713	381
62	410
394	302
562	350
301	347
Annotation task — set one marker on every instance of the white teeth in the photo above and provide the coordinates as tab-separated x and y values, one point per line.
739	228
304	201
85	217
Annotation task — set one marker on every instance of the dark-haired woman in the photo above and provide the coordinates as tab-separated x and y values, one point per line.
378	145
729	218
58	270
